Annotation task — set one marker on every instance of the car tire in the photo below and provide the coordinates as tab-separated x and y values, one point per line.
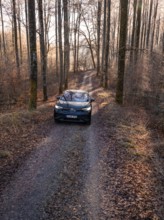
56	120
89	121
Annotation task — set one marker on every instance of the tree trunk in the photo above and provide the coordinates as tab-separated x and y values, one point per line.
133	30
163	44
144	37
3	43
157	32
75	42
143	25
98	35
1	50
60	46
66	43
154	24
103	46
20	36
78	37
122	50
33	55
15	38
27	33
149	24
56	40
107	45
138	27
42	50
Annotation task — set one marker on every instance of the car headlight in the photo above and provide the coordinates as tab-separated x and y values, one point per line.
87	109
58	107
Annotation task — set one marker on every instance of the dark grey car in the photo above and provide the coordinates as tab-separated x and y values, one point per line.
74	105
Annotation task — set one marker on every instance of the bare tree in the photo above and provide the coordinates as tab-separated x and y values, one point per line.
78	35
33	55
122	50
133	28
163	43
56	37
20	34
77	19
60	46
3	43
16	37
138	26
27	33
144	24
103	46
98	34
66	43
154	24
107	43
42	50
149	24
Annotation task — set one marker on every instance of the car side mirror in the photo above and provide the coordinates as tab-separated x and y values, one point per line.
58	97
92	99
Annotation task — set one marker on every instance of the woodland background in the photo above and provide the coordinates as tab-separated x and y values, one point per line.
47	46
43	42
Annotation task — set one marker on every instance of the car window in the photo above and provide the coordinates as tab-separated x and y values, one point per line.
66	96
75	96
80	97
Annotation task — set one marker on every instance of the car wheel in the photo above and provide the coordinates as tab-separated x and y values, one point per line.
89	121
56	120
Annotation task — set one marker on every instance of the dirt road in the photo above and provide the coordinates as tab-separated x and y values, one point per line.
94	172
69	149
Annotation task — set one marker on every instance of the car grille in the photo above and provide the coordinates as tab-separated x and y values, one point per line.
72	110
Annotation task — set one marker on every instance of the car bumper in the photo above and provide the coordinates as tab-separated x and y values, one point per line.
73	117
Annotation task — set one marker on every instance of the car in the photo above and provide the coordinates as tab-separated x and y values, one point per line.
73	105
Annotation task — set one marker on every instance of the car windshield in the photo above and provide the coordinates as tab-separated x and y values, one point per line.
75	96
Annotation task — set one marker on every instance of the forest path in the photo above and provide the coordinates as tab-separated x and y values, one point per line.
69	150
109	170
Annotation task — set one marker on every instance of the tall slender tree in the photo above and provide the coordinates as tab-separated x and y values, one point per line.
122	50
133	28
16	37
154	25
20	34
60	46
3	43
138	26
27	33
98	34
33	55
75	37
103	45
163	44
66	43
106	64
42	50
149	24
78	35
56	37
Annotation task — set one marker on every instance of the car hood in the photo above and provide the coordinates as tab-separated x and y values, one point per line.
77	105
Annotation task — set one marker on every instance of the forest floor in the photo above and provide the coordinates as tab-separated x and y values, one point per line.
112	169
